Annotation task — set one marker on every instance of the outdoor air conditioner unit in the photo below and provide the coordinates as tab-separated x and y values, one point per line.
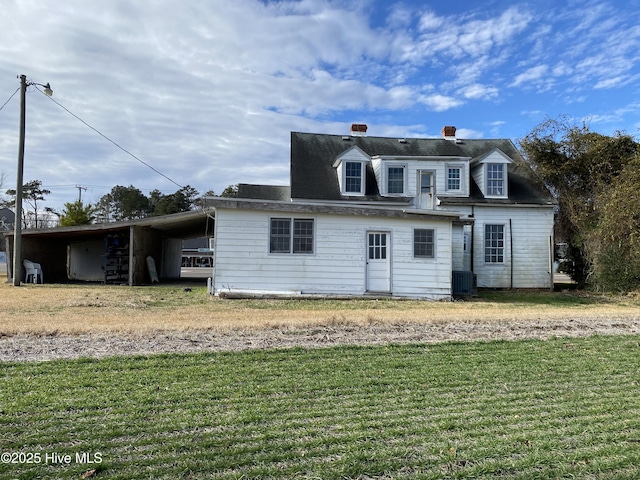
464	283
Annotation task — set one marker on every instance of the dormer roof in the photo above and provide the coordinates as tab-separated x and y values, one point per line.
490	154
313	171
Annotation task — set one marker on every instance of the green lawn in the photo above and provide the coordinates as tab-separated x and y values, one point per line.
561	408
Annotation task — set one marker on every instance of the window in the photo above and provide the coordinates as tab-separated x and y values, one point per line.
377	246
395	180
454	178
291	235
302	236
353	177
495	179
494	243
423	243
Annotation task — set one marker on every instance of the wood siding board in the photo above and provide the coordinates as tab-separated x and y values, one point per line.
528	242
338	264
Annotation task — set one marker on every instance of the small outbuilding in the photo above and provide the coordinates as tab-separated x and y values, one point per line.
112	252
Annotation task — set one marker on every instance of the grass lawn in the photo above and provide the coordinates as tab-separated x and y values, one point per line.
529	409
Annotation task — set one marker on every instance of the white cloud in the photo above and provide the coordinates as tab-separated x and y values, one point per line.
440	103
207	92
478	91
533	75
430	21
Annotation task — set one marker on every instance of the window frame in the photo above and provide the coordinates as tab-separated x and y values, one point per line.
492	183
494	244
378	249
460	179
426	243
293	235
404	169
346	177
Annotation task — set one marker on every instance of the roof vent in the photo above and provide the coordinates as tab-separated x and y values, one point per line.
449	132
358	130
346	138
402	140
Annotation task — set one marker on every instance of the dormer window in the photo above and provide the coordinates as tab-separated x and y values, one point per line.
395	179
353	177
495	179
351	169
454	178
490	172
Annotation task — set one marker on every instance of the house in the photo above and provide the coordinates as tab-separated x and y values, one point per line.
7	219
388	216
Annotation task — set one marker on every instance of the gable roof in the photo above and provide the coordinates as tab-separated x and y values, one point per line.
313	175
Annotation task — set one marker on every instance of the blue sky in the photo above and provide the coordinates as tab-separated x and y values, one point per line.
207	92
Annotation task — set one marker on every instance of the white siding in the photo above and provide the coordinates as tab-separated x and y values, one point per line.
528	235
338	264
457	247
437	166
479	177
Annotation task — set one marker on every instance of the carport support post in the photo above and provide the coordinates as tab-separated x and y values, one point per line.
17	237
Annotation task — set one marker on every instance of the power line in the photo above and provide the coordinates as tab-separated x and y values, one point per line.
3	105
113	142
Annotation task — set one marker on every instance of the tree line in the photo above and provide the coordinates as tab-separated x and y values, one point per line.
596	180
121	203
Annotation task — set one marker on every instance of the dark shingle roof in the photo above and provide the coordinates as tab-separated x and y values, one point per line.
313	176
264	192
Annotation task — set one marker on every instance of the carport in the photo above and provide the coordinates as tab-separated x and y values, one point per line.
83	253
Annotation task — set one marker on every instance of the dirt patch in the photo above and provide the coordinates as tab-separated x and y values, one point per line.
46	322
29	347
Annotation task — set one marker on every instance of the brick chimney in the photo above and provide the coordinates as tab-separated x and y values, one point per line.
358	130
449	132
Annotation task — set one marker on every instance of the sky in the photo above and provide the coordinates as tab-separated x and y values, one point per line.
161	94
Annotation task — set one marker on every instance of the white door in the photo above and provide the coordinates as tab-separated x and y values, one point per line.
425	184
378	262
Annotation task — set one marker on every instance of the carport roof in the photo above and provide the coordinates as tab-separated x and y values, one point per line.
178	225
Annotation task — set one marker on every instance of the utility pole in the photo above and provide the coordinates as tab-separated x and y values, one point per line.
80	188
17	236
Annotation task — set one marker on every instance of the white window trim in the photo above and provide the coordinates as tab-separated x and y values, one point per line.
504	243
405	178
435	241
363	175
463	182
291	220
505	181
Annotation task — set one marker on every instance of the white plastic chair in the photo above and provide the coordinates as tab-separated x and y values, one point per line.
33	272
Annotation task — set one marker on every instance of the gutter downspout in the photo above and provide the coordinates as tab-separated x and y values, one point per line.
511	251
473	229
211	281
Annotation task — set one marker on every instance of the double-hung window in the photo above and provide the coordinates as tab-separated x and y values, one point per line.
494	243
291	235
424	243
395	179
353	177
495	179
454	179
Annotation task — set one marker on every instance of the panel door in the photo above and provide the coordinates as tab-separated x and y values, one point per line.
378	262
426	190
